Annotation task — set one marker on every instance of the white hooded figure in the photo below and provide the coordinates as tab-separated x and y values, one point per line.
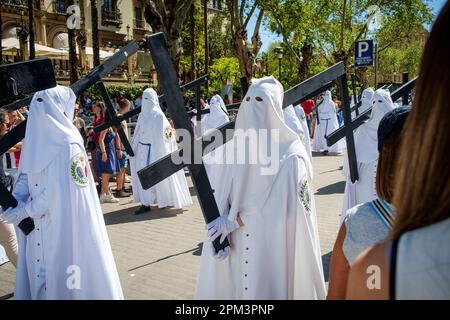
366	149
153	139
217	117
268	211
295	119
68	254
366	101
328	123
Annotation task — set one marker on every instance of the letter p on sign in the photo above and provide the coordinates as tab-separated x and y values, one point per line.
362	47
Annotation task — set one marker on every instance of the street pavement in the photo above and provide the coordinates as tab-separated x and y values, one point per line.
158	253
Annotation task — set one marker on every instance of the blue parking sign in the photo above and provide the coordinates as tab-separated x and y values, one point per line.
364	53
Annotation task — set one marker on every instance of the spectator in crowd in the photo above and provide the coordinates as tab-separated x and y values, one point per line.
79	123
415	262
122	156
86	102
371	222
115	101
138	101
226	100
7	235
15	118
106	163
307	106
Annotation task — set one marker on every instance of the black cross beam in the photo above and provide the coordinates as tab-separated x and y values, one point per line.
165	167
116	119
346	131
19	79
40	76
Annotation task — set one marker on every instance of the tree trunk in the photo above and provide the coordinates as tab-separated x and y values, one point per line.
31	28
193	71
81	42
307	53
243	53
95	41
363	77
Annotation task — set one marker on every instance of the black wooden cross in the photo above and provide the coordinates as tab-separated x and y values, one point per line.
349	126
40	76
117	119
165	167
18	79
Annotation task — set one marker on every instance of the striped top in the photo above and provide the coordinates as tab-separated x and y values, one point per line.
366	224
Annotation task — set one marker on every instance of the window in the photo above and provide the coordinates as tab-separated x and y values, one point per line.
60	6
217	4
109	5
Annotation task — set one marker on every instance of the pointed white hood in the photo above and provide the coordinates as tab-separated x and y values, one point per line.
366	140
49	128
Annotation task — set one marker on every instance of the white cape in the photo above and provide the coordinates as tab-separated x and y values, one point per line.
328	123
154	138
366	149
276	254
68	254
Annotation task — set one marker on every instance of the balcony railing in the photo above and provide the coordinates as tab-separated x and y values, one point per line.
16	3
140	25
111	16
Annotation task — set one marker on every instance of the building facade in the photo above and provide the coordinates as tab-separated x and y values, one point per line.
118	22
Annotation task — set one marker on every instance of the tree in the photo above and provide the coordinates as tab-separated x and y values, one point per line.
224	71
331	28
240	13
168	17
95	41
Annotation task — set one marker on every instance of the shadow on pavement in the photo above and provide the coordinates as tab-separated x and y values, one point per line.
195	251
337	187
127	215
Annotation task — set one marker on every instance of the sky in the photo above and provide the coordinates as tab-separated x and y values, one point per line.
267	37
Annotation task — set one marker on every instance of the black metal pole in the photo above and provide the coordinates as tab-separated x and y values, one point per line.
1	51
31	28
405	97
72	52
205	23
279	69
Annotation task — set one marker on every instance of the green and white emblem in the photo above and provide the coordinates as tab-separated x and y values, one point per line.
305	197
79	171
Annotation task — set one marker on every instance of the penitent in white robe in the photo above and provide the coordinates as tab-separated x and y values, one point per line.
213	160
295	119
68	254
328	123
366	149
153	139
276	254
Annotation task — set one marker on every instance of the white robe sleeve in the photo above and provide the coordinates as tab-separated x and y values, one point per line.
38	204
21	192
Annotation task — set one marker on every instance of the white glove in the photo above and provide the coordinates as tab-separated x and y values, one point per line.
14	215
221	226
222	254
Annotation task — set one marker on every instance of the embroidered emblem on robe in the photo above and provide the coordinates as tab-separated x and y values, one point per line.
305	197
168	133
79	171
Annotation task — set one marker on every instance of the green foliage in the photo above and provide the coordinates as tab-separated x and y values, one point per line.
224	71
130	92
332	34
